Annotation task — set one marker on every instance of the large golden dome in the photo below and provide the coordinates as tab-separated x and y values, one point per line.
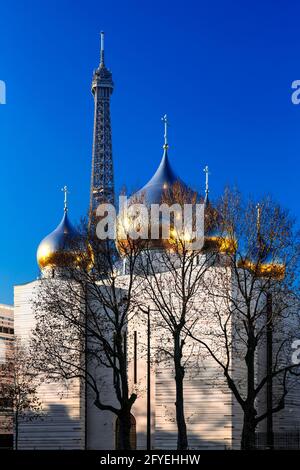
166	187
58	248
163	187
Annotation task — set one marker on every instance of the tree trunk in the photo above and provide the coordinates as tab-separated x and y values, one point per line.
248	434
182	442
249	425
122	390
270	434
124	430
16	430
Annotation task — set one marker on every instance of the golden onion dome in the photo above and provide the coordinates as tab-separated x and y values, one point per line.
157	187
166	187
58	248
163	187
262	262
272	270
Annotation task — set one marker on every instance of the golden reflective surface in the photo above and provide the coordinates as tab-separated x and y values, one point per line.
271	270
62	248
220	244
211	244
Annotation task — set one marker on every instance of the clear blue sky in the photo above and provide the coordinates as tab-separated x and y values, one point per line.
222	70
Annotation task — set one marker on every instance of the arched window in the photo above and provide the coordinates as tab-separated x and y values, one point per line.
132	433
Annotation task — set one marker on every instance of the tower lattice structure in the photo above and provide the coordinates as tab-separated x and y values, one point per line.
102	178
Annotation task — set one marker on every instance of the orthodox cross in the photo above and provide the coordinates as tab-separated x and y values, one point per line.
206	171
258	220
66	192
166	124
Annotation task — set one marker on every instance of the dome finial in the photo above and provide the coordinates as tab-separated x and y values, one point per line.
258	219
206	171
102	49
166	124
66	192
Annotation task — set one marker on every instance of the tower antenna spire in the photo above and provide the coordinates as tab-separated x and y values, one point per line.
102	176
206	171
66	192
166	124
102	49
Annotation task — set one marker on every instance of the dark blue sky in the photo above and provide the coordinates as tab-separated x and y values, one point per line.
222	70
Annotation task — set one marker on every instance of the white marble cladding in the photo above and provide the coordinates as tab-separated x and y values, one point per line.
62	425
213	417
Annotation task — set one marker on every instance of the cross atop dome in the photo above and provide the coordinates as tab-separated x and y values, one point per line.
66	192
206	171
258	219
166	124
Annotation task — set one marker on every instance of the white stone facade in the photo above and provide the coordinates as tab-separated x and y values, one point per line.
213	417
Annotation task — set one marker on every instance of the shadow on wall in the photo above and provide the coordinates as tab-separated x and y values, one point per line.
167	440
57	430
54	429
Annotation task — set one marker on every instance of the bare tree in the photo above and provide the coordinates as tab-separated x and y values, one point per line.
173	273
82	319
250	315
18	384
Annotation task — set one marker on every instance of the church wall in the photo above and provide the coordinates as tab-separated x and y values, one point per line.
62	425
288	420
214	419
101	425
208	403
138	328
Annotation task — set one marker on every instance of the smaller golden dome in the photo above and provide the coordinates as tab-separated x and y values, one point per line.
262	262
272	269
59	249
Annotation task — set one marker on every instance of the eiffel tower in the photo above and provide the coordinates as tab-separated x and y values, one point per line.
102	178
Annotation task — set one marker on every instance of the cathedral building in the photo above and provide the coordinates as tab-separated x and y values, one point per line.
71	421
